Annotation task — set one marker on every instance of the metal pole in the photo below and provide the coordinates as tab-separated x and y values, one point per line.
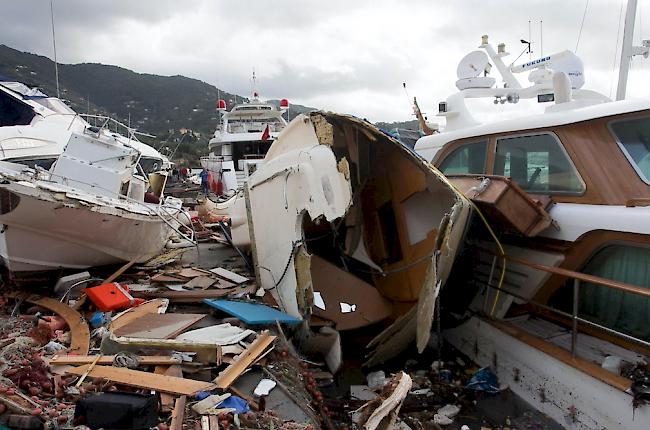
56	64
574	317
626	49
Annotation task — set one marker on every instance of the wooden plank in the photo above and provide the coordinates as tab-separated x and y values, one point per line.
121	270
230	276
149	381
167	400
584	277
150	307
80	333
200	282
159	326
145	360
193	296
178	414
193	272
251	354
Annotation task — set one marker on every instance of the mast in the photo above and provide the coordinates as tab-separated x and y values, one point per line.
628	50
56	64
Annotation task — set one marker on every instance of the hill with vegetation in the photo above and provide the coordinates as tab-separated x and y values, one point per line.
180	111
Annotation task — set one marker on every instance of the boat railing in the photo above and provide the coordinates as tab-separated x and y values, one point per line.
578	280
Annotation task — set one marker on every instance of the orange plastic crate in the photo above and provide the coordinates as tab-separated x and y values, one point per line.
110	297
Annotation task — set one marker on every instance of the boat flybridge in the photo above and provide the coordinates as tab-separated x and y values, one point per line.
558	300
242	139
75	195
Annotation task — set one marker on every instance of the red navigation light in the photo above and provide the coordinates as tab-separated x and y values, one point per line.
221	104
284	104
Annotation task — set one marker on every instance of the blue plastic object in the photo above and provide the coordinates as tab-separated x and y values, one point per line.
236	403
484	380
251	313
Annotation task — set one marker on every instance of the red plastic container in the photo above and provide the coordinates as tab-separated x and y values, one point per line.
111	297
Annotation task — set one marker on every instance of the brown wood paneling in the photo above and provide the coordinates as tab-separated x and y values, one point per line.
608	175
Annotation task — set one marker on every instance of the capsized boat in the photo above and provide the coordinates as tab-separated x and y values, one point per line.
241	140
559	305
350	226
87	209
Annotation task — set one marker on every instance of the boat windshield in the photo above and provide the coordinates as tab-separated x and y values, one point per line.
14	112
633	137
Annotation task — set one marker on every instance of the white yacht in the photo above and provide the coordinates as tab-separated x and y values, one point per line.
242	139
558	300
73	195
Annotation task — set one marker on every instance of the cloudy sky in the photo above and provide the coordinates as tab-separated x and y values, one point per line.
348	56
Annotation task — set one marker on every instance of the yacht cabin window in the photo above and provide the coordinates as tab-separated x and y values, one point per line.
14	112
537	163
615	309
466	159
633	137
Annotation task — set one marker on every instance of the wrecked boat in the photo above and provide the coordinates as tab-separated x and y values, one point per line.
556	302
350	227
90	207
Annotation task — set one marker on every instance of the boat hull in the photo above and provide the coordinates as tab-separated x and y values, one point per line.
40	233
567	395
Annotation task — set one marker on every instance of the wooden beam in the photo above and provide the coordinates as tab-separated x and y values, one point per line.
79	331
178	414
145	360
167	400
150	381
245	359
121	270
584	277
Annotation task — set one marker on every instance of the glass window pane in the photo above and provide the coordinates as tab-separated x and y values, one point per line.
466	159
537	163
624	312
634	138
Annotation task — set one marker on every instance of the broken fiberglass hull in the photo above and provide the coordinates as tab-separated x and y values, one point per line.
348	225
47	226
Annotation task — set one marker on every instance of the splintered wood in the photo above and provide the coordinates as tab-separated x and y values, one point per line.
245	360
151	381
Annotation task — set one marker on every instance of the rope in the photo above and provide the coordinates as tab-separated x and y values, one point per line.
618	36
584	15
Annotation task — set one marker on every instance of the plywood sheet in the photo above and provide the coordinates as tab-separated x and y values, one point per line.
151	307
343	298
227	274
158	326
200	283
150	381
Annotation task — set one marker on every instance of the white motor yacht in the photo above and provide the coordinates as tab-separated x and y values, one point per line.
242	139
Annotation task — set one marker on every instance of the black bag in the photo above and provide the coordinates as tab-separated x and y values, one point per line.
116	411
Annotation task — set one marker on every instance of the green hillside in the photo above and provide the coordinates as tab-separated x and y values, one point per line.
159	105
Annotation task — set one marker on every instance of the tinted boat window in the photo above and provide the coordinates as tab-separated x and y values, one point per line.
633	136
466	159
625	312
538	164
13	112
